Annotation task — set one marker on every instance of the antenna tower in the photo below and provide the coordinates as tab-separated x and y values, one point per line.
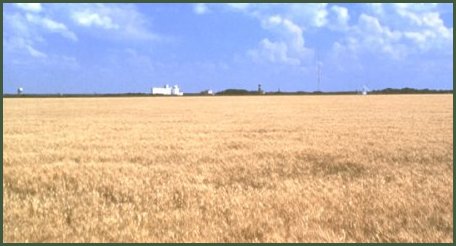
318	71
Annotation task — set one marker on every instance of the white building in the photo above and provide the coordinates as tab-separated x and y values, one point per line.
365	90
167	90
207	92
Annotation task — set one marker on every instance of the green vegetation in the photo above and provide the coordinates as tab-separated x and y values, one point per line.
408	90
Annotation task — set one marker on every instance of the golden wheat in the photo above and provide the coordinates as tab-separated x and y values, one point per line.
229	169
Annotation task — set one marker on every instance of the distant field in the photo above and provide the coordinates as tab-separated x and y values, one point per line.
229	169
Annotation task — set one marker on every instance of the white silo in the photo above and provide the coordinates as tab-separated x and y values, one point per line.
175	91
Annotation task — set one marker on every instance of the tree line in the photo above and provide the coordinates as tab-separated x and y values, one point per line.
240	92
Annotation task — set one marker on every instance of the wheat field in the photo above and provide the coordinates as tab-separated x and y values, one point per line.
228	169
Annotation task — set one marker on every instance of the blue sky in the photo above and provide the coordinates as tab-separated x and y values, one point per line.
119	48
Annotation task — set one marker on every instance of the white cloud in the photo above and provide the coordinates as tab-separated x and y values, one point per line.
290	49
200	8
416	16
308	15
297	40
21	46
320	19
396	30
51	25
417	7
374	37
122	21
24	34
32	7
420	24
88	18
275	52
239	6
370	23
35	53
286	23
16	25
341	17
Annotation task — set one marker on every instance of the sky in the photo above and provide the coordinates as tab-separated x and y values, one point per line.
130	48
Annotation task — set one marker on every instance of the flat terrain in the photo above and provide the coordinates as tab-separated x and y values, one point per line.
229	169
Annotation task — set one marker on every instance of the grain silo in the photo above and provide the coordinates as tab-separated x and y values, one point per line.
167	90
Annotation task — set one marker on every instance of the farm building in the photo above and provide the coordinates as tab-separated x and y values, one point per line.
167	90
207	92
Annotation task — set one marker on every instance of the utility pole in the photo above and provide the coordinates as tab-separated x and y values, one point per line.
319	75
318	71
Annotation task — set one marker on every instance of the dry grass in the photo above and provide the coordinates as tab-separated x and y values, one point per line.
229	169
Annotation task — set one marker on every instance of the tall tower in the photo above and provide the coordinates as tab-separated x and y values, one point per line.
318	68
259	89
318	75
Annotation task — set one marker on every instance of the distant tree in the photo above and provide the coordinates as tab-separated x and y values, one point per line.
408	90
235	92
